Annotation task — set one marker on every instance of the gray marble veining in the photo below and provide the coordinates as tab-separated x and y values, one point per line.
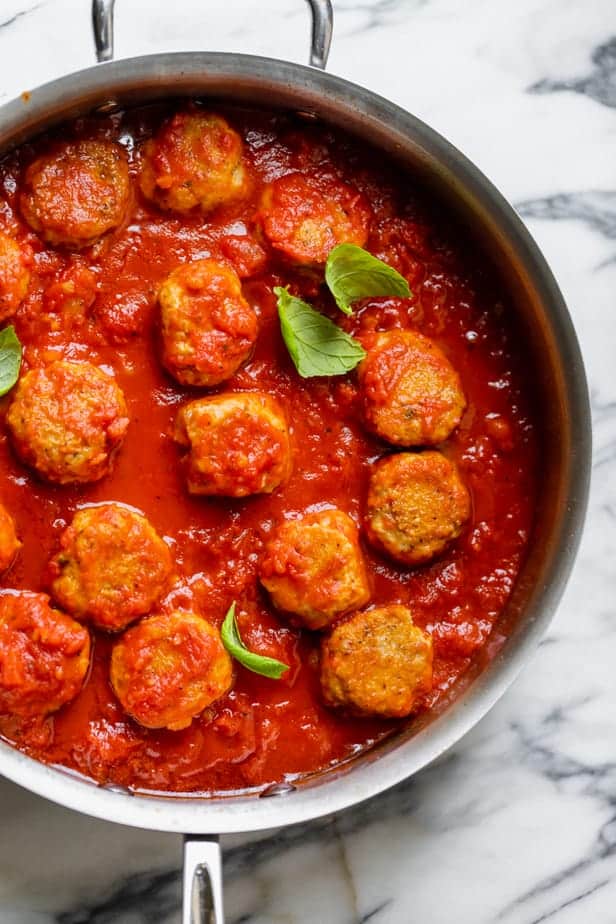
599	83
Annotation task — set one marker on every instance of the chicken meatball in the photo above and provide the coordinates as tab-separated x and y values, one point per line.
238	444
44	655
169	668
208	328
313	568
67	421
411	393
77	192
194	162
9	543
304	217
417	504
377	663
14	276
112	567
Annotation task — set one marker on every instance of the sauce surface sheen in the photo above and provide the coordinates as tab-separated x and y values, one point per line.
99	305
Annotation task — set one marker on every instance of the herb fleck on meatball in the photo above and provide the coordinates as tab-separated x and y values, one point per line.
304	217
195	161
77	192
208	328
411	393
67	421
417	505
112	568
169	668
238	444
377	663
313	568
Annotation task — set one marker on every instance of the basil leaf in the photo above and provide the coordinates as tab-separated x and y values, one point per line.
232	640
10	358
351	273
316	345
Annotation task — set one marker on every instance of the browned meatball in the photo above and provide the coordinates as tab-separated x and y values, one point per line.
14	275
313	568
169	668
44	655
9	543
67	420
377	663
194	162
417	504
208	328
77	192
112	567
304	217
238	444
412	395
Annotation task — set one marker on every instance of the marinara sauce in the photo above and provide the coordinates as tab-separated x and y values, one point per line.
99	304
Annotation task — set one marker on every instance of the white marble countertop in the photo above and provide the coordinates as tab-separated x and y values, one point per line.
521	817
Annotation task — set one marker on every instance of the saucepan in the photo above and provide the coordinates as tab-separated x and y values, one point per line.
561	396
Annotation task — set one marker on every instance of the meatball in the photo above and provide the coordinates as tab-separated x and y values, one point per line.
208	328
112	567
169	668
77	192
194	162
412	395
14	276
9	543
313	568
417	504
44	655
377	663
304	217
67	420
238	444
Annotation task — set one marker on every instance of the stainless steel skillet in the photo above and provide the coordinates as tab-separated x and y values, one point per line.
561	396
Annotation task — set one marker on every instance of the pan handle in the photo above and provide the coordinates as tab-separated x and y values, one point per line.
202	883
322	26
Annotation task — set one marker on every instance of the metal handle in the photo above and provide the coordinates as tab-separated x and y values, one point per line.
322	27
202	883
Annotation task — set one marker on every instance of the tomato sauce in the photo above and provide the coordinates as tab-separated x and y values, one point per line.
99	304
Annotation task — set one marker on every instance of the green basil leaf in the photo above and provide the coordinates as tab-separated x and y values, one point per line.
351	273
316	345
232	640
10	358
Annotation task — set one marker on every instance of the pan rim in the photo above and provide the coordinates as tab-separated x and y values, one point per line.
165	73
